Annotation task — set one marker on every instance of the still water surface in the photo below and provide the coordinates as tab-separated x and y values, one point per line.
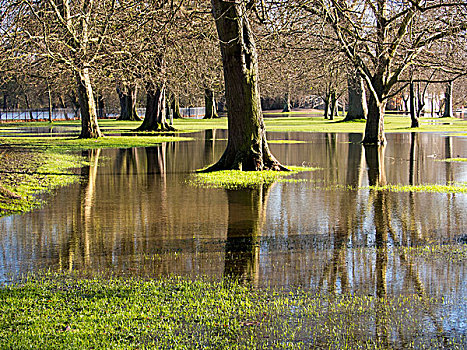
135	213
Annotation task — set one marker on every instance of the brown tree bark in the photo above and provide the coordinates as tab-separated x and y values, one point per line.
374	127
247	147
155	116
127	96
89	127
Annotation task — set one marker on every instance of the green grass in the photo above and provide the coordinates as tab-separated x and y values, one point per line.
60	312
284	124
24	175
235	179
73	143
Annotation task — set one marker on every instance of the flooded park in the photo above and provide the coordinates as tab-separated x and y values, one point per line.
135	212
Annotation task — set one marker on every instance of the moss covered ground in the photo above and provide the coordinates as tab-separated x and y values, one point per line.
59	312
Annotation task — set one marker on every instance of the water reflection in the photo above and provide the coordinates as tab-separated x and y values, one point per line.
135	213
247	211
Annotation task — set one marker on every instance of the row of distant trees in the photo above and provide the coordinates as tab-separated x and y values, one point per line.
84	52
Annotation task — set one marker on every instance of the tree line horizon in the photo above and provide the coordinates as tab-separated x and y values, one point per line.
370	50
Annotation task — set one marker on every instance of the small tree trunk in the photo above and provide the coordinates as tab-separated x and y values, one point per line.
155	117
327	106
49	101
100	106
127	96
413	108
89	125
175	106
247	147
63	106
333	105
28	106
358	108
448	110
210	104
287	104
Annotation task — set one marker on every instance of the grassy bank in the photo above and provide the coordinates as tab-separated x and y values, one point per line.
56	312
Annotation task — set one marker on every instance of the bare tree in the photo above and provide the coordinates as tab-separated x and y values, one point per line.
383	38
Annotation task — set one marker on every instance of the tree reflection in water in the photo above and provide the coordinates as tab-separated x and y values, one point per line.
247	210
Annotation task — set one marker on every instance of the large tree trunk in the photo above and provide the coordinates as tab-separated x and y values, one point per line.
448	111
89	126
209	104
247	147
374	128
155	117
357	100
127	96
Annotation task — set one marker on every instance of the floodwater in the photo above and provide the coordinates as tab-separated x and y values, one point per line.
135	213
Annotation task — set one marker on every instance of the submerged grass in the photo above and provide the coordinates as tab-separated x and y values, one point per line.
60	312
446	252
235	179
429	188
449	160
26	174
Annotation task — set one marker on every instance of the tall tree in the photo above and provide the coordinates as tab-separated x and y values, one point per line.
383	38
71	35
247	147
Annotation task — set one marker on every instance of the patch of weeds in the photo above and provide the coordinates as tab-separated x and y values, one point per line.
235	179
